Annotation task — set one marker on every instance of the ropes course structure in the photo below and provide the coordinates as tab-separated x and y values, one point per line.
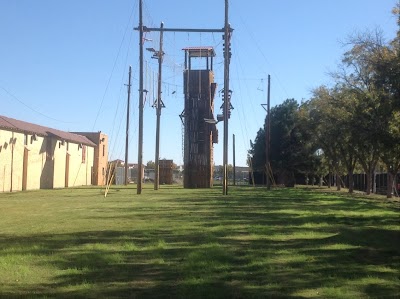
148	92
227	31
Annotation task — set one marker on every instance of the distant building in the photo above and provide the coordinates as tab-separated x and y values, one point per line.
37	157
100	162
117	172
241	172
134	167
166	171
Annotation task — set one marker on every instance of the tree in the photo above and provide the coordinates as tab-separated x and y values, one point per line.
330	116
370	76
151	165
290	154
386	61
356	122
257	157
357	75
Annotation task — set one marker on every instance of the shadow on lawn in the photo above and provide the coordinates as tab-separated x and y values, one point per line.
251	245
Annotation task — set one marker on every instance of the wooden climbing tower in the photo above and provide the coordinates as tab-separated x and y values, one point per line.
199	134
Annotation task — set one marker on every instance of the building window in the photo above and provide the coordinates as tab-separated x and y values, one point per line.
26	139
83	153
103	172
104	149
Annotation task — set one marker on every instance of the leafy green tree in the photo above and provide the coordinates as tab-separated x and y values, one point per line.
369	81
386	78
357	76
151	165
357	122
290	152
257	156
330	117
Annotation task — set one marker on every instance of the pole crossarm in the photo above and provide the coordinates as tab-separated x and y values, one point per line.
200	30
265	105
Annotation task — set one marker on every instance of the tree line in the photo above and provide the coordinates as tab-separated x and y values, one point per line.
352	125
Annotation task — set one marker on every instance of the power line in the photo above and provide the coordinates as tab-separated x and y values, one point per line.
113	68
263	55
32	109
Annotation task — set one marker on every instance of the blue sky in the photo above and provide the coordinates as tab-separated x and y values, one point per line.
63	64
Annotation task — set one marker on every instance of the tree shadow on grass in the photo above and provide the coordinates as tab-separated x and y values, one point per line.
274	245
88	267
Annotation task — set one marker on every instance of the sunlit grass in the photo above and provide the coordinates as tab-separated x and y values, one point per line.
180	243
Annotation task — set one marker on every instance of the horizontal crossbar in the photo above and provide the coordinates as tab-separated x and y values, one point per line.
147	29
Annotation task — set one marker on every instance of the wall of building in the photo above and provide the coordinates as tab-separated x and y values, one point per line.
36	156
80	171
60	154
47	174
100	159
166	172
100	162
30	162
18	161
5	160
11	160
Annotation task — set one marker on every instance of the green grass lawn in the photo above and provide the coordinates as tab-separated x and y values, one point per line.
177	243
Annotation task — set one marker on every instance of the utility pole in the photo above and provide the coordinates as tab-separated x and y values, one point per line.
140	143
226	98
127	126
234	160
268	137
159	105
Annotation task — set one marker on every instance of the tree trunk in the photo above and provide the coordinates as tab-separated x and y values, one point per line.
390	180
351	182
369	182
369	169
338	184
330	179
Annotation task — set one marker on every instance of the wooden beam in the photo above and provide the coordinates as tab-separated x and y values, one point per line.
200	30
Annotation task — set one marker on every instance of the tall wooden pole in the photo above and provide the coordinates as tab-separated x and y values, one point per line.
234	159
141	91
127	126
268	137
158	112
226	99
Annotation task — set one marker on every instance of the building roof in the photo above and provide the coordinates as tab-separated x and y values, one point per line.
200	51
12	124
